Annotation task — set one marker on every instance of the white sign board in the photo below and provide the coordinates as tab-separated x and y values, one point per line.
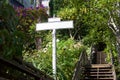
53	19
54	25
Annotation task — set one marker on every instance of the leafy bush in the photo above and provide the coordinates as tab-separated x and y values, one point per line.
68	52
11	42
17	28
27	18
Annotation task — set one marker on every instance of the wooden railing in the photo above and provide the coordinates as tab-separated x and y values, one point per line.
23	67
112	63
80	66
114	73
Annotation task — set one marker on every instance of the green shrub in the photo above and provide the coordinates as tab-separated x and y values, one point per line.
68	52
11	40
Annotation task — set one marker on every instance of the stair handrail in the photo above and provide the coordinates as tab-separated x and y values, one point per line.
25	69
114	73
80	66
93	49
113	67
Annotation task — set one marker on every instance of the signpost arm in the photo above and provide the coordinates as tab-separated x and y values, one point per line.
54	53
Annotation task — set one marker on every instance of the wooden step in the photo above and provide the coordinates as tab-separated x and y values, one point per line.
99	72
101	75
100	65
99	79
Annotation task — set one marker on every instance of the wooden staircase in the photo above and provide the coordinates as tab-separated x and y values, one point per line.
88	70
100	72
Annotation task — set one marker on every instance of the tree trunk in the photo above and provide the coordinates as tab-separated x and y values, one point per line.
38	42
116	30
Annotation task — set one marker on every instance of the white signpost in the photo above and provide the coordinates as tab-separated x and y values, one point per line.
54	24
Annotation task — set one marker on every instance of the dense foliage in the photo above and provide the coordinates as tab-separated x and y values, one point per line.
10	36
17	32
68	52
94	22
18	27
55	6
91	21
28	17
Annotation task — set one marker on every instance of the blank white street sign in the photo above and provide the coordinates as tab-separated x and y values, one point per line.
54	25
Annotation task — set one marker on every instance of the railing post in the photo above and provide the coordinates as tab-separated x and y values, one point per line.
111	56
83	61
